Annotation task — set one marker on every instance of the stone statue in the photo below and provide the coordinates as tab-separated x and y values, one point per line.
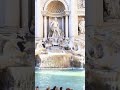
55	28
81	26
39	48
111	9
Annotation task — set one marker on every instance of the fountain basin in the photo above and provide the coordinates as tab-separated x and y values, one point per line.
60	78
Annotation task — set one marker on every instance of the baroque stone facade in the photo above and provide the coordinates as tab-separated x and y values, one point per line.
60	30
67	12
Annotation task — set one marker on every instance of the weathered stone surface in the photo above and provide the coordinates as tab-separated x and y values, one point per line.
17	78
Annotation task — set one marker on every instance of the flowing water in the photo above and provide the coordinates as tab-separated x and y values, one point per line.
74	79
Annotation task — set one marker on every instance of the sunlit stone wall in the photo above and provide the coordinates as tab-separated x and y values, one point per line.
59	61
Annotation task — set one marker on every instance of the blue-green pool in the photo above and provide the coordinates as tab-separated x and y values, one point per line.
74	79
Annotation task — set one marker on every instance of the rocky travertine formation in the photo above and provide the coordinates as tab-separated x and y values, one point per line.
68	53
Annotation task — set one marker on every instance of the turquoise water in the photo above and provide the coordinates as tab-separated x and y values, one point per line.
74	79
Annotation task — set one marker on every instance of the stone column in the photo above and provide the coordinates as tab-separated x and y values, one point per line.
94	12
73	18
38	19
11	13
25	14
62	23
66	26
2	15
45	27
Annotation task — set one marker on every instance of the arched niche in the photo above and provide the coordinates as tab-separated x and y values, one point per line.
62	1
52	9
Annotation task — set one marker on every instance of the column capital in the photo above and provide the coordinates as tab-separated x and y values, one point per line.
44	13
67	13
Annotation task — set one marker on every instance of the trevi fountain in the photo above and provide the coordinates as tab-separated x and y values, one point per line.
60	45
58	56
60	53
